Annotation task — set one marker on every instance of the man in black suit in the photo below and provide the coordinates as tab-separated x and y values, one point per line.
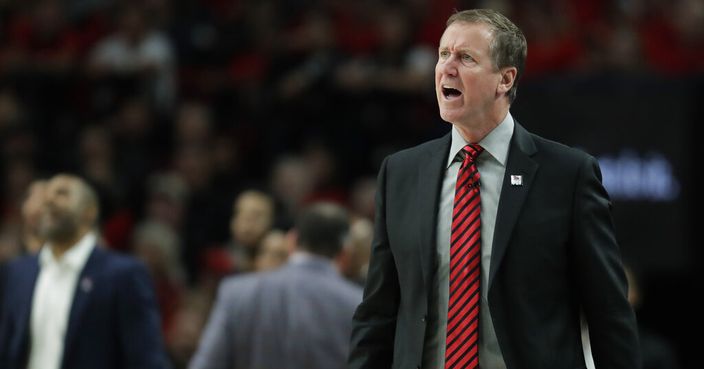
491	242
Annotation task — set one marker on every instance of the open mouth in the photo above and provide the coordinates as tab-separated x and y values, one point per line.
450	93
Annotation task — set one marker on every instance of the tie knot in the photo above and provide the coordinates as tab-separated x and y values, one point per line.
471	151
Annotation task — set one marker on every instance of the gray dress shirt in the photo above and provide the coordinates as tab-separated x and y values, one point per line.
491	165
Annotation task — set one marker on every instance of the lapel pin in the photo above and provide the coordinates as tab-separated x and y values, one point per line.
86	284
516	180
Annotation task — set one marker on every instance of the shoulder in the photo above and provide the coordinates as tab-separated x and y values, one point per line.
24	265
556	153
22	262
117	265
422	150
557	149
350	290
239	286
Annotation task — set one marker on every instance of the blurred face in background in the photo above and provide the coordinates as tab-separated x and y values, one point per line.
466	79
273	251
64	213
33	205
252	217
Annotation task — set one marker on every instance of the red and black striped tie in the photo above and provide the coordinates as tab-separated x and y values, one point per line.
462	342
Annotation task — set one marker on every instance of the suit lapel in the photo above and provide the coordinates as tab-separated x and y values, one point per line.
430	176
84	288
512	197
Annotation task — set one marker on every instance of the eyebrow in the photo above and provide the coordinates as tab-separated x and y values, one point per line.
461	49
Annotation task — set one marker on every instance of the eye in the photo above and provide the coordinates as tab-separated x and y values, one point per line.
444	54
467	58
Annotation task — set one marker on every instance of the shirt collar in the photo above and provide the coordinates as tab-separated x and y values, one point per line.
75	257
495	143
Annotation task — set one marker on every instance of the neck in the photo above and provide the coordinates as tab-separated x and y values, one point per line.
476	130
59	248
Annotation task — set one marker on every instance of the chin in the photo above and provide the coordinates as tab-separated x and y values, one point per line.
448	116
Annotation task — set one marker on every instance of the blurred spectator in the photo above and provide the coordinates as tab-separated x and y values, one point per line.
362	203
137	50
314	43
75	305
43	41
166	197
298	316
17	178
193	125
158	246
673	37
190	318
398	65
273	251
291	182
252	217
10	111
357	251
32	208
323	165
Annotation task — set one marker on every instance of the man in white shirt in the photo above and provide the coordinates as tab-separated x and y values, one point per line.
75	305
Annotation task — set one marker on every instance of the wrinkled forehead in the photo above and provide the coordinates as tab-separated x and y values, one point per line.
466	35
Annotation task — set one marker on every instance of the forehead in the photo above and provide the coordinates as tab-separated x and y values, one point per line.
252	200
465	35
63	183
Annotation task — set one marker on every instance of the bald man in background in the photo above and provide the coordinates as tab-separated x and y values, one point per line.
75	305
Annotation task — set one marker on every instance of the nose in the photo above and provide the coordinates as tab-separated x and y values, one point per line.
447	66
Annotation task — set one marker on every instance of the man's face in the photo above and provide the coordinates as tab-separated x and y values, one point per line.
251	219
466	80
62	213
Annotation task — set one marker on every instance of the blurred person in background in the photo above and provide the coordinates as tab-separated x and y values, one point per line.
273	251
291	182
76	305
497	279
188	323
356	261
18	176
298	316
158	246
252	217
32	207
136	49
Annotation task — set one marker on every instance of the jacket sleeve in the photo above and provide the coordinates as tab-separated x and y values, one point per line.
600	275
374	321
139	322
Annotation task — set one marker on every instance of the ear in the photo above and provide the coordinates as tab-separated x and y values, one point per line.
90	215
508	78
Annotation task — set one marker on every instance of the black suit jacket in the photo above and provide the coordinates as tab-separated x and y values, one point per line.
554	253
